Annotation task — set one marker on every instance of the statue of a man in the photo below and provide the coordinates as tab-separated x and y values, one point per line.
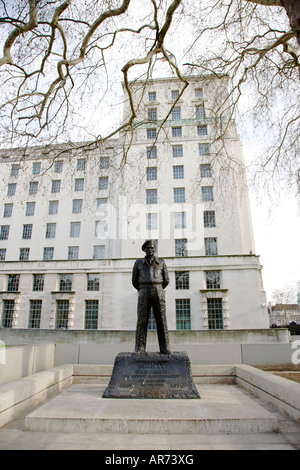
150	277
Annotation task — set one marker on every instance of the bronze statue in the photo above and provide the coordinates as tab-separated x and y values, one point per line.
150	277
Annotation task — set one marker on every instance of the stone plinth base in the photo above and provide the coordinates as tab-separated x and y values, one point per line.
151	375
222	409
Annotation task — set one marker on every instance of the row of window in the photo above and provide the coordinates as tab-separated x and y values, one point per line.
152	133
178	172
77	206
62	314
48	253
65	282
104	163
99	251
182	281
56	186
207	193
183	314
176	114
198	93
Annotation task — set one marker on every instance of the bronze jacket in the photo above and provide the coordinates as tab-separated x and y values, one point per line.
145	274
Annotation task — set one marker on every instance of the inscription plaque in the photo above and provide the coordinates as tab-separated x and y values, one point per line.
151	375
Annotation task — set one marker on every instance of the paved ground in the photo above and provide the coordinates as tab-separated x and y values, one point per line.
14	437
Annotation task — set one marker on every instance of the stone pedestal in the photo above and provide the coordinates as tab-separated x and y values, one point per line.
151	375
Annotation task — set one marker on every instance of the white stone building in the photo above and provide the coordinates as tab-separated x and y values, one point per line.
73	219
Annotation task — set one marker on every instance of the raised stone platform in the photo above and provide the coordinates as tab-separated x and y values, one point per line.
222	409
151	375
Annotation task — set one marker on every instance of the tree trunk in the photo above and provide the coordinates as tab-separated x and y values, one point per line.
292	8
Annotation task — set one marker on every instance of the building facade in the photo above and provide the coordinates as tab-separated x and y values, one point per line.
284	314
74	217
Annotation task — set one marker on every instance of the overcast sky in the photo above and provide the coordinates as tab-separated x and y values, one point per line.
277	240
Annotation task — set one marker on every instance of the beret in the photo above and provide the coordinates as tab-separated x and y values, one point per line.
147	242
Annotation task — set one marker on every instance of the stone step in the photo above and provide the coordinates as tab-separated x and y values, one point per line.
221	409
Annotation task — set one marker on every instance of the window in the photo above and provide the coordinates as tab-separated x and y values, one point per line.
103	182
24	254
79	184
182	280
27	231
13	282
104	163
215	314
77	206
151	196
179	220
58	166
177	151
81	164
11	189
211	246
53	208
65	282
99	252
93	282
177	131
48	253
152	95
209	218
151	152
8	208
152	173
75	229
33	187
179	194
8	313
176	113
55	186
174	94
73	252
2	254
36	168
207	193
35	311
202	130
180	247
200	111
205	170
30	208
151	221
102	204
152	114
14	170
178	172
101	229
213	279
183	314
38	282
151	133
198	92
204	150
62	314
4	232
50	230
91	314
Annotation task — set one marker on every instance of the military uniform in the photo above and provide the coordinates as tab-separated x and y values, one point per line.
150	278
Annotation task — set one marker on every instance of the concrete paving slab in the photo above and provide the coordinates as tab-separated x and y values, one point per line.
222	408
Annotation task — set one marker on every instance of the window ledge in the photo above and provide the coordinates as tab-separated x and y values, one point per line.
213	290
